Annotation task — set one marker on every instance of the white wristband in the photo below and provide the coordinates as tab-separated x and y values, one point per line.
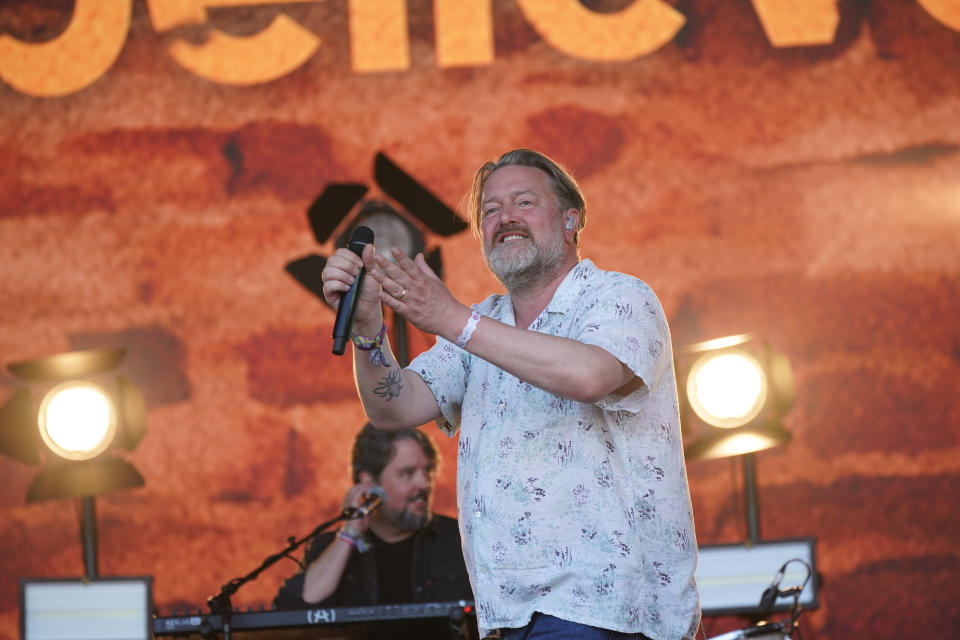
468	330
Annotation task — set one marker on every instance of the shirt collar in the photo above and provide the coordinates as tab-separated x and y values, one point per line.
563	298
567	294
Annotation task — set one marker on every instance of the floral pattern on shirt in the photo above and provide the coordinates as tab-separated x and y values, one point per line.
575	510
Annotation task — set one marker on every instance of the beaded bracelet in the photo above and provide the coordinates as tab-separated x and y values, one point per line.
353	540
468	330
373	345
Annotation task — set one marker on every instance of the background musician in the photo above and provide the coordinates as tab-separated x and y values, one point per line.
402	552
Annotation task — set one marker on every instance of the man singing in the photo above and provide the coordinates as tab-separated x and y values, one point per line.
574	508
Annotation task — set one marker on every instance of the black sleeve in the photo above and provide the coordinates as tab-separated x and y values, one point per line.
316	546
290	595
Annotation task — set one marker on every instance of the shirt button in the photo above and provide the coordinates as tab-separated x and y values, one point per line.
476	513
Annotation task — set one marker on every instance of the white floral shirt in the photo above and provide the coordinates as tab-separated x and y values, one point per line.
574	510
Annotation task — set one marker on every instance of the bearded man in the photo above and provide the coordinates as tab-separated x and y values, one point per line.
402	552
573	502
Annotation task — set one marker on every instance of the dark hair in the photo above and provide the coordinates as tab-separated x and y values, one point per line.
373	449
564	187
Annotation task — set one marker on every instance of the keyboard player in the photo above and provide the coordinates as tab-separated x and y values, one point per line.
402	552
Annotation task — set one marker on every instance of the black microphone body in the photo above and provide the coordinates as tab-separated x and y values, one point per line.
360	238
769	597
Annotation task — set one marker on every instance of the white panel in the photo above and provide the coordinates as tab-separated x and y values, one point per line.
734	577
77	610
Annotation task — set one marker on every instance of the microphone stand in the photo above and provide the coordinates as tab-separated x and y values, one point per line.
219	602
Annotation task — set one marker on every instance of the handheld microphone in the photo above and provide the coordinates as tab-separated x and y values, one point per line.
372	500
360	238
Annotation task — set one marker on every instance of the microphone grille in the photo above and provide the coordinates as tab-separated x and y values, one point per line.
361	235
378	491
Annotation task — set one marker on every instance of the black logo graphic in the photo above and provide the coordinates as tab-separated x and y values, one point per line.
421	209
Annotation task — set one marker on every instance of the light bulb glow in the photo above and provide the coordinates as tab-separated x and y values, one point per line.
727	389
742	443
77	420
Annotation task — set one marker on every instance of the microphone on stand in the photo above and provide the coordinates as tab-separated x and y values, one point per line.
360	238
769	597
372	500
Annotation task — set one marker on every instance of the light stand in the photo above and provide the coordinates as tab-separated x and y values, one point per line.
750	504
78	421
400	340
88	536
737	390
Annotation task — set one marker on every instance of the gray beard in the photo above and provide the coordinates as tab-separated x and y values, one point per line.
405	519
409	521
524	269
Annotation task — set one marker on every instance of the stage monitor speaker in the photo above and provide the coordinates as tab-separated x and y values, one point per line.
86	609
733	577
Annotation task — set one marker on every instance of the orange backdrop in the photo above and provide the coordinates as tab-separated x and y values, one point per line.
789	169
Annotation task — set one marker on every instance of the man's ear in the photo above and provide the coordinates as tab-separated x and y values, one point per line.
366	477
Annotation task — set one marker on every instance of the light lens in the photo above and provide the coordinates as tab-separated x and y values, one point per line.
389	231
77	420
727	389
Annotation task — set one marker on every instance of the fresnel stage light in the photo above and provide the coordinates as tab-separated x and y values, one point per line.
83	415
727	389
77	420
735	392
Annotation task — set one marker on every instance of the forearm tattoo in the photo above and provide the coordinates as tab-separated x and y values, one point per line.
390	386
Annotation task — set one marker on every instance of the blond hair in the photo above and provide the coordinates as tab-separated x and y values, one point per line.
562	184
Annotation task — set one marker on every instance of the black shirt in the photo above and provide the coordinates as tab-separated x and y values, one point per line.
431	570
394	561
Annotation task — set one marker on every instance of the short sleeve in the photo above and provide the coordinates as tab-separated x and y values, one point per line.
626	320
444	368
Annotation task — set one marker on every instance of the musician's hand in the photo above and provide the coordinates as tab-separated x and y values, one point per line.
354	498
339	273
412	289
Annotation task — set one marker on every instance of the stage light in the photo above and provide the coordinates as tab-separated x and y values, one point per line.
743	440
736	393
83	415
390	229
727	389
77	420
